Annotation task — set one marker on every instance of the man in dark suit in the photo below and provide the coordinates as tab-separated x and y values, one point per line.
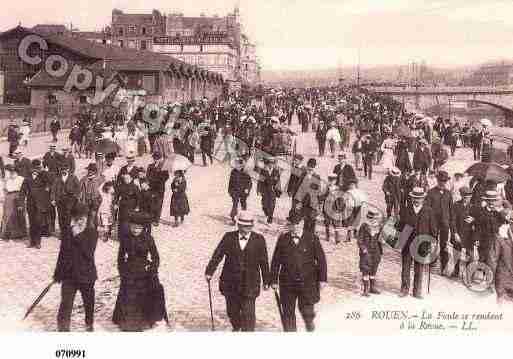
126	169
157	178
36	191
22	164
439	199
461	229
368	153
239	187
344	171
69	159
13	137
393	191
269	188
76	268
246	265
64	195
299	265
422	158
417	220
295	179
51	162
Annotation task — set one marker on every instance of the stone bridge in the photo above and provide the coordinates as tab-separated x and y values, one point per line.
422	98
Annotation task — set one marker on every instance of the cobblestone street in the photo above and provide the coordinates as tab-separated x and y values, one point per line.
185	251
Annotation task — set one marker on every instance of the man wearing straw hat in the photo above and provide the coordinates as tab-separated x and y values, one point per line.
418	219
246	266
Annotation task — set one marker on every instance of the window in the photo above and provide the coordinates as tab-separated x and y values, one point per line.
52	99
104	42
131	44
131	28
120	31
143	30
201	48
148	83
144	45
121	43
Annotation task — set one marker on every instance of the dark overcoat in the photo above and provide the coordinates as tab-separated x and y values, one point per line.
300	266
243	270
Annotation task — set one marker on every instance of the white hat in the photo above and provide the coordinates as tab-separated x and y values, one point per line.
245	218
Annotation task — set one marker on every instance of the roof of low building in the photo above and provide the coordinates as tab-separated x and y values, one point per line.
118	58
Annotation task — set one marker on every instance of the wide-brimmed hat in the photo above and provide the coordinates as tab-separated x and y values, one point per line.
156	155
298	157
245	218
465	191
394	171
140	218
371	214
418	192
490	196
443	176
36	165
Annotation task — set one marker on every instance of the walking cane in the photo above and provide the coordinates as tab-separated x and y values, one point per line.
211	310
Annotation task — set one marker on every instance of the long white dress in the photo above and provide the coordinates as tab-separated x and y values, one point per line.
388	160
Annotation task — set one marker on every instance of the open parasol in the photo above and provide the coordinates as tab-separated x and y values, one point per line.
486	122
488	171
176	163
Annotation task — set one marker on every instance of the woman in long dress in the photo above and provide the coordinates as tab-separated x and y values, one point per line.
13	219
179	207
141	300
388	148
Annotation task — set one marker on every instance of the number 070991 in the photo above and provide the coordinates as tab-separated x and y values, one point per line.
70	353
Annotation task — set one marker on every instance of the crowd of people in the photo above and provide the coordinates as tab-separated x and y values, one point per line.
253	133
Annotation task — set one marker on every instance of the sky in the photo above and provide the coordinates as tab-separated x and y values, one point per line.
316	34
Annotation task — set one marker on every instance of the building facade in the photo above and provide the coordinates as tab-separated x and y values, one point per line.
213	43
162	78
492	74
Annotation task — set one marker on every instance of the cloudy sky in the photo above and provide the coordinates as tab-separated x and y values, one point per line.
307	34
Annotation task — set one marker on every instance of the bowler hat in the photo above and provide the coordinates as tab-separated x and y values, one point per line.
465	191
443	176
79	210
92	168
36	164
245	218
